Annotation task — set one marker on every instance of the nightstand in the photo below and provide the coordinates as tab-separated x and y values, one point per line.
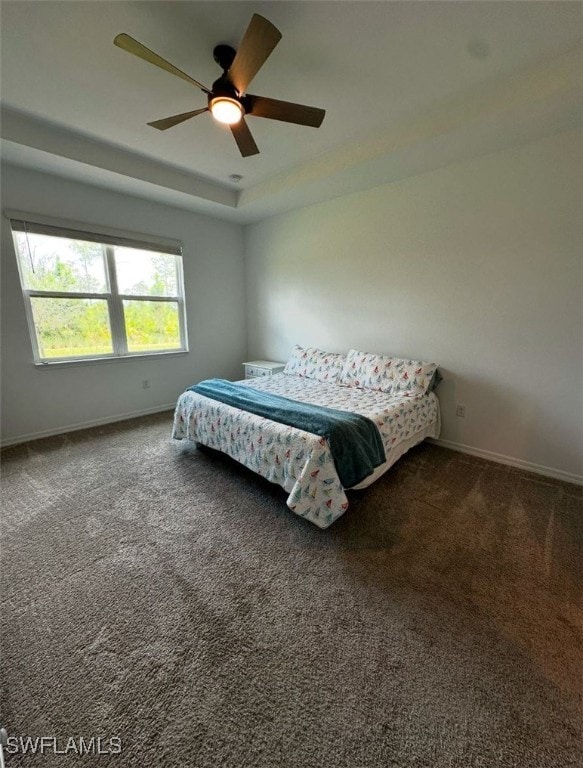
256	368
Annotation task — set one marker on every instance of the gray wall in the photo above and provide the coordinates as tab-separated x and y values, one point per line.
49	399
476	266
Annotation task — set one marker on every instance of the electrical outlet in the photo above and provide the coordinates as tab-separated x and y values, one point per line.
146	384
460	410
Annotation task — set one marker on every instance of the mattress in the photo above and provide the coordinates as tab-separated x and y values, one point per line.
298	461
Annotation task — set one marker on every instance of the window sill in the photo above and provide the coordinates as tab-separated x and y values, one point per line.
101	360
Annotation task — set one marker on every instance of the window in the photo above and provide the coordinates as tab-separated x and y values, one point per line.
91	295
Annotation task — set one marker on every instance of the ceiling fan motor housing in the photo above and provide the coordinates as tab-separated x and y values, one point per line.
223	88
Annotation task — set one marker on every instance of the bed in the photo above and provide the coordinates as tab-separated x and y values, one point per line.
405	411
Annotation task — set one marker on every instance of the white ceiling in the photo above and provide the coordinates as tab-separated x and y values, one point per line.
407	86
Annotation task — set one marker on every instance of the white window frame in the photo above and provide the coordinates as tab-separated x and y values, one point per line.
108	239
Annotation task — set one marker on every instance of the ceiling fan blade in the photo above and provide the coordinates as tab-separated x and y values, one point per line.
170	122
260	106
244	139
258	42
131	45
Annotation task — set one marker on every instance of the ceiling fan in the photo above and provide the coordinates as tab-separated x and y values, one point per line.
228	101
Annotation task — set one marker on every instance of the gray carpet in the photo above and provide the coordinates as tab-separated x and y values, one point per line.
167	596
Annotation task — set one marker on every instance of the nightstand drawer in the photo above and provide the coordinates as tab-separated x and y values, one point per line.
257	368
252	372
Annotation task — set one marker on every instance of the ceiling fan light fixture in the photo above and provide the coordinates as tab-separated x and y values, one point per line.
226	110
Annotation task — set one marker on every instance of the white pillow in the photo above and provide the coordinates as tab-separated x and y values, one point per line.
394	375
314	363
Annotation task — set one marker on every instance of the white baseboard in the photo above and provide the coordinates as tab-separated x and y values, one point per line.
86	425
500	458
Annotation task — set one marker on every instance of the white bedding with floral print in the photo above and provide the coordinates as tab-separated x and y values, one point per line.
300	461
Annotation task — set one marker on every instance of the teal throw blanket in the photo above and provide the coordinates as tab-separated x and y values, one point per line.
354	440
